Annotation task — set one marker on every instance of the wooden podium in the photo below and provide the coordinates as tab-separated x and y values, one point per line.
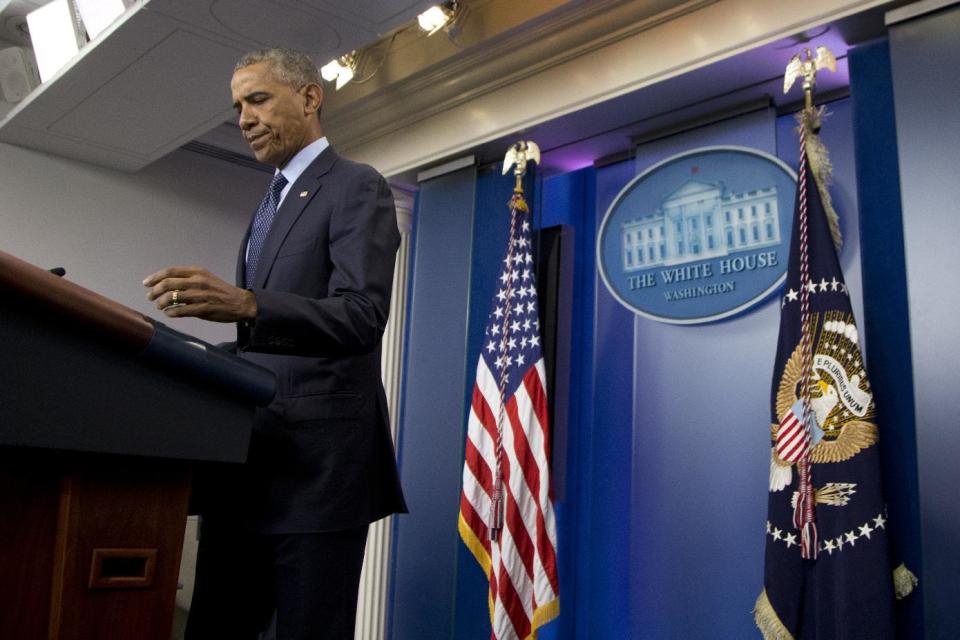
103	416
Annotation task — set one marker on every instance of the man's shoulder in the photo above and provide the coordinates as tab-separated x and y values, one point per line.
346	166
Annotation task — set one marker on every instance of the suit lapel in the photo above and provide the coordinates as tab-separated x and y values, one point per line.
298	197
241	275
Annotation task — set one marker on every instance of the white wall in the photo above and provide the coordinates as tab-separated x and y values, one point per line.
111	229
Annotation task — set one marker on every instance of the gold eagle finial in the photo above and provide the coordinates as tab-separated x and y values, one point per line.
519	154
807	67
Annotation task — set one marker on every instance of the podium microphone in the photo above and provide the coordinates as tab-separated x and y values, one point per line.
58	271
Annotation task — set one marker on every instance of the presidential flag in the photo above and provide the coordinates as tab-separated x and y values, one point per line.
827	572
506	505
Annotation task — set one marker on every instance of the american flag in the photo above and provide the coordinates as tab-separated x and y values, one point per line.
506	505
793	438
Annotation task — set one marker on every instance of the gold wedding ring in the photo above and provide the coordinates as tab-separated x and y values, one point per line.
176	296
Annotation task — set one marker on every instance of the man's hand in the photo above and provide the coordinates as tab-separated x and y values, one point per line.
182	292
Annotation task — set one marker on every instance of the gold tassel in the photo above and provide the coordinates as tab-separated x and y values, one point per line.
903	582
517	202
768	621
821	167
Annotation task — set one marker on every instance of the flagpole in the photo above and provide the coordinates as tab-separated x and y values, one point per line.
517	156
806	67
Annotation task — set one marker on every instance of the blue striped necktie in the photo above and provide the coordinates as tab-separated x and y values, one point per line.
261	225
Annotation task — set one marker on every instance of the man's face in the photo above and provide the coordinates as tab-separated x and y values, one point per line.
275	119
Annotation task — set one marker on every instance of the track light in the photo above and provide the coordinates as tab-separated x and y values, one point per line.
437	17
341	70
362	63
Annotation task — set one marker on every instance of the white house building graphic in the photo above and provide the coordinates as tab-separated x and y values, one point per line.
701	220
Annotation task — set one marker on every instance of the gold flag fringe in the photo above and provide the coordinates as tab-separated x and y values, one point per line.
904	581
822	168
768	621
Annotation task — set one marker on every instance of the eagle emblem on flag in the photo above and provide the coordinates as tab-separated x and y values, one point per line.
841	405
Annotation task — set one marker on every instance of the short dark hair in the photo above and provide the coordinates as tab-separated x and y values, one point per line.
289	66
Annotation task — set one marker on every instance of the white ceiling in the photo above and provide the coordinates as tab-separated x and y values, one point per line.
159	77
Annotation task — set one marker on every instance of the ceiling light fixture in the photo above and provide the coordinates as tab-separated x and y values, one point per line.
340	70
361	65
56	36
437	17
97	15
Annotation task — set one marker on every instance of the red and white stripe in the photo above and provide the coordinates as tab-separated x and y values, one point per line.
521	563
793	438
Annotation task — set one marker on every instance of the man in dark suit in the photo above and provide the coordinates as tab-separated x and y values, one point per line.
286	533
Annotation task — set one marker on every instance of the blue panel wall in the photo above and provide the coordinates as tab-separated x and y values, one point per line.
430	441
570	199
700	449
603	600
925	59
661	517
886	326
